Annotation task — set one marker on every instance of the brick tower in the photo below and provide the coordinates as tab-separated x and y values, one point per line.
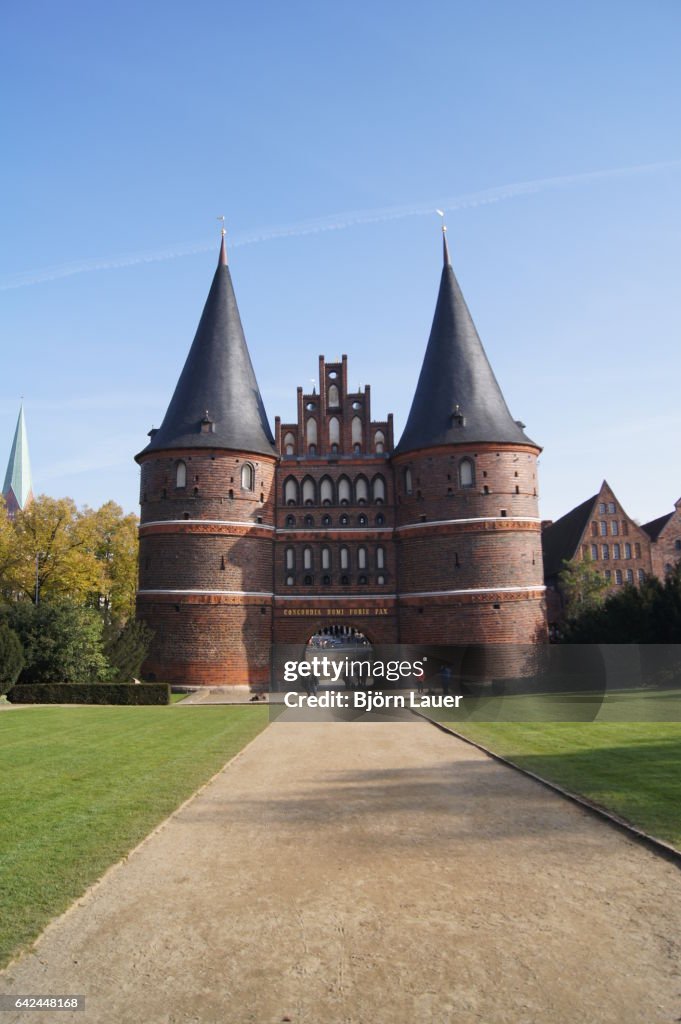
467	520
207	512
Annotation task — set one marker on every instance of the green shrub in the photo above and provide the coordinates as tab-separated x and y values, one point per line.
11	658
91	693
61	641
126	647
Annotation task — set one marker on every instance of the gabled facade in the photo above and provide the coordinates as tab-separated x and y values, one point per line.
600	532
665	541
249	540
17	489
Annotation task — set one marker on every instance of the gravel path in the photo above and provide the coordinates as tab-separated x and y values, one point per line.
369	873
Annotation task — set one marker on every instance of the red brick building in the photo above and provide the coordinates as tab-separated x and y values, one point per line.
665	541
249	539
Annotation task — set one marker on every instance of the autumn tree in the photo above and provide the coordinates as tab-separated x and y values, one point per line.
583	588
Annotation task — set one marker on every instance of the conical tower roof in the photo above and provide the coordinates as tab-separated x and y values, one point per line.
17	489
458	399
217	402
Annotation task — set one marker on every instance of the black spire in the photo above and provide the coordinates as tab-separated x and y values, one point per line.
217	402
458	399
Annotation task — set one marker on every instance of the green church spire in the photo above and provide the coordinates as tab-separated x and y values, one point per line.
17	489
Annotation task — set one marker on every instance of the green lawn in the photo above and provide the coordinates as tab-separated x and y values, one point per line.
81	786
631	768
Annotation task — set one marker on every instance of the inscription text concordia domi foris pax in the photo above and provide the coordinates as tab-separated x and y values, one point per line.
335	612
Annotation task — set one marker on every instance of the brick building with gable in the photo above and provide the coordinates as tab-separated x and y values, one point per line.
249	539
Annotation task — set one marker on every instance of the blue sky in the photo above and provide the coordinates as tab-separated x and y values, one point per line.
328	134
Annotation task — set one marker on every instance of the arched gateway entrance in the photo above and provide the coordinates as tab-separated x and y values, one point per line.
340	656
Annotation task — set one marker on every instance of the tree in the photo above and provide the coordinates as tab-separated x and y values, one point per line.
53	555
11	658
126	647
62	641
583	588
113	541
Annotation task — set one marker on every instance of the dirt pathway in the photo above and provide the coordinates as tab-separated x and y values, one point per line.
362	873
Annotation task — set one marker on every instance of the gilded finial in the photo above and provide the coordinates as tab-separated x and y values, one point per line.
445	247
223	245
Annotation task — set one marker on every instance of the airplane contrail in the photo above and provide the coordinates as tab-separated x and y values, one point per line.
333	222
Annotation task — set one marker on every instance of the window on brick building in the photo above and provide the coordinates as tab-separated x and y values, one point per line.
637	550
618	577
630	575
378	489
608	574
627	550
334	430
362	520
615	551
379	442
362	581
326	491
380	519
247	477
312	449
344	520
334	396
344	491
290	520
380	558
380	580
290	558
307	558
601	508
361	558
408	482
641	576
326	558
594	529
604	529
308	491
611	508
309	520
290	580
291	491
311	431
361	490
181	475
614	528
326	520
344	558
289	444
605	552
466	473
594	551
356	431
677	545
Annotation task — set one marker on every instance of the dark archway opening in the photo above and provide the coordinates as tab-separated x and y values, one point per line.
341	657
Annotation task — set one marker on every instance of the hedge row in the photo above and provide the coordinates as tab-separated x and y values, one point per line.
90	693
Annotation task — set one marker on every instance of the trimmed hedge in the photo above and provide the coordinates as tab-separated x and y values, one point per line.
90	693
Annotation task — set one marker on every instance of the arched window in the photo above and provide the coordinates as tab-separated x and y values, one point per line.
247	476
311	431
344	558
344	520
291	491
379	442
379	489
290	520
181	475
356	430
289	444
326	558
362	520
326	520
307	558
344	491
466	474
290	558
361	490
408	482
308	491
334	397
334	430
361	558
326	491
380	558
